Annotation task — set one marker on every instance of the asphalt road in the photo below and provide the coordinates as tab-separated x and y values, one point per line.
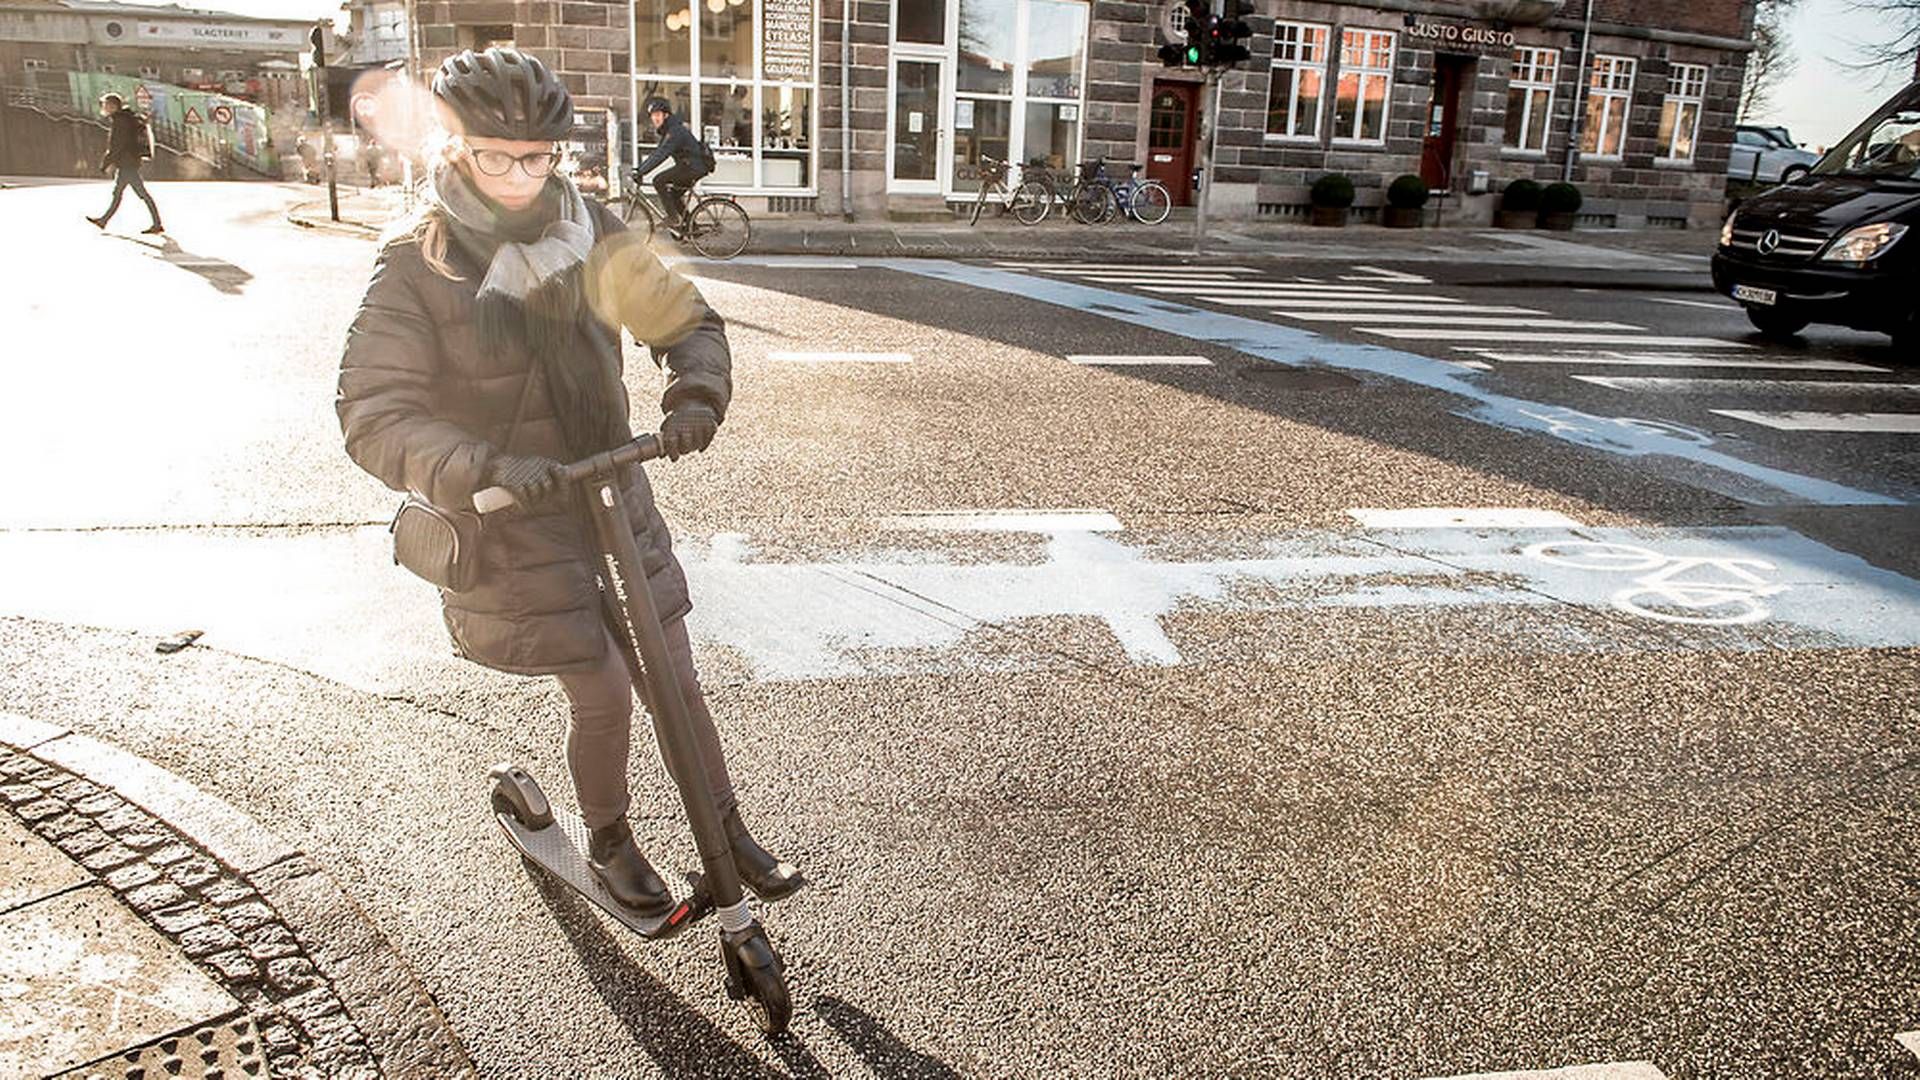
1200	772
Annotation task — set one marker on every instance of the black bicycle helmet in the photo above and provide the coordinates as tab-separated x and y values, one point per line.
658	104
504	94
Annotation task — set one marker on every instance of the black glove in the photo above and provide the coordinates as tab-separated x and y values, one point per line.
530	479
688	429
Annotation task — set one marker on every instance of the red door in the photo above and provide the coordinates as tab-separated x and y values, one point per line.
1172	132
1443	120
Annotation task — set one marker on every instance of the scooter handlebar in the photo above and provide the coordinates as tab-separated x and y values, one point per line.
642	449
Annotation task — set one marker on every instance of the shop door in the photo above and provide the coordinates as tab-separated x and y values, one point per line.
1172	138
914	137
1443	120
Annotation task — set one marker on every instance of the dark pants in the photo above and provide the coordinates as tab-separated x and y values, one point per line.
601	715
124	177
670	183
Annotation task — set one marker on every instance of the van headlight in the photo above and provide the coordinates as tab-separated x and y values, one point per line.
1864	244
1726	231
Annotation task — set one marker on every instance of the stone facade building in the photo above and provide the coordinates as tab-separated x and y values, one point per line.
886	107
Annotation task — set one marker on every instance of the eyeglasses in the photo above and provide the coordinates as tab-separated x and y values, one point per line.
500	163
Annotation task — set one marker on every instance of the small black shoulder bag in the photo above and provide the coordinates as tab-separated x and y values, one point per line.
443	546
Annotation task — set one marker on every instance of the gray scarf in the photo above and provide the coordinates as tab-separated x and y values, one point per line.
532	296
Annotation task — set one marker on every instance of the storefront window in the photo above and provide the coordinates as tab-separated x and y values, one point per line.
986	46
982	127
1680	112
921	21
1366	84
1299	81
1052	133
757	120
1609	92
726	38
1530	97
1056	47
662	32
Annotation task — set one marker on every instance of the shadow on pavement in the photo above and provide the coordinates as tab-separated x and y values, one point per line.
678	1039
219	273
881	1049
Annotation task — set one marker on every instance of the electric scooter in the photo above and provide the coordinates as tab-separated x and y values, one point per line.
558	843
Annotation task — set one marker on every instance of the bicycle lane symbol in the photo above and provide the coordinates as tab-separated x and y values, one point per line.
1693	590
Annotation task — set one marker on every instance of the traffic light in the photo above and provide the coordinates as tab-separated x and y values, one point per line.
1199	32
318	39
1227	33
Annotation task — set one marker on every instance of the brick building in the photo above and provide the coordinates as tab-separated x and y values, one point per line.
886	106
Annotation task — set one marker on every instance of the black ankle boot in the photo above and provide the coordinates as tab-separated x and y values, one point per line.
617	861
760	870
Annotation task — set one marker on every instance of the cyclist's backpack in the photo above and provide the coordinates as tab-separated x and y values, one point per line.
706	158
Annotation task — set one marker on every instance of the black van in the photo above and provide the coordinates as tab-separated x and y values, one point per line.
1832	246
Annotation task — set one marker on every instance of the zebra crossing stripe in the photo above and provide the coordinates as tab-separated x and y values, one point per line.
1543	337
1623	359
1069	268
1300	287
1438	307
1617	1070
1873	422
1220	280
1452	320
1668	385
1319	299
1462	517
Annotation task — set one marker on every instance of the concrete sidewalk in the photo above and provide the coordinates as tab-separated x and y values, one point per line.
1609	258
148	928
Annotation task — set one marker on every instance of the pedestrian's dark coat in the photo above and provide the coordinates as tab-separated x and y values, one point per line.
424	406
127	143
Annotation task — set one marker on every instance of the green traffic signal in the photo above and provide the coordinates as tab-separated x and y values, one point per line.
1193	54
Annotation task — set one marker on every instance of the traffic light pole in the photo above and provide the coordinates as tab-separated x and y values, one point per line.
1209	125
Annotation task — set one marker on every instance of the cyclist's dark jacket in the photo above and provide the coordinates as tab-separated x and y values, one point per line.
424	407
678	143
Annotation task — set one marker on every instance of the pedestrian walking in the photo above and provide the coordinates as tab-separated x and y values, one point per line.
129	144
487	350
309	159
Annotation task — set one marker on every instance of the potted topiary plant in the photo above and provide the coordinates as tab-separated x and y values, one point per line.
1332	195
1558	205
1519	205
1406	197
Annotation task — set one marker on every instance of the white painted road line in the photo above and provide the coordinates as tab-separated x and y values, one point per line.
1668	385
1453	320
1725	305
1313	299
1875	422
1291	287
1910	1040
1161	279
1092	360
1624	359
1438	307
842	357
1617	1070
1375	273
1039	521
1171	268
1470	365
1555	337
1463	517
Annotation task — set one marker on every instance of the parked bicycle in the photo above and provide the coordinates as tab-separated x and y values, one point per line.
1145	201
1028	201
1079	198
715	225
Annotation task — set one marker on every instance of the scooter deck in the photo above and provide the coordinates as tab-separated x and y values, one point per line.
561	850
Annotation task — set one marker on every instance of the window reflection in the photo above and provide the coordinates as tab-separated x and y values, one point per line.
726	38
786	135
987	45
1056	40
981	127
1052	131
662	33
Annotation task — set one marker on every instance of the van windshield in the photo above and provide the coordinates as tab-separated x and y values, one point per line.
1886	146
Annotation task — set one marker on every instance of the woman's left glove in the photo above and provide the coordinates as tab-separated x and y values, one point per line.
688	429
531	479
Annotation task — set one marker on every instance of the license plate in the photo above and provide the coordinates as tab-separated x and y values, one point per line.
1751	295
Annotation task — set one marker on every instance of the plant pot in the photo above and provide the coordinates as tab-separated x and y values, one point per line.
1402	217
1558	221
1517	219
1329	216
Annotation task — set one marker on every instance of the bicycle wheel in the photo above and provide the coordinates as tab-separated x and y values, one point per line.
638	210
1093	205
1031	202
719	228
1151	203
980	200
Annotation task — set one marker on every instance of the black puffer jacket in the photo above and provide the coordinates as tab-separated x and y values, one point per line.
424	407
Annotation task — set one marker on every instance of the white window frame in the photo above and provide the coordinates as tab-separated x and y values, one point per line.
33	64
1364	71
1297	64
1609	88
1016	99
1532	76
696	82
1686	85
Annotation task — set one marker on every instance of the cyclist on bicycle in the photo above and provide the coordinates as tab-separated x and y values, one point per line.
692	159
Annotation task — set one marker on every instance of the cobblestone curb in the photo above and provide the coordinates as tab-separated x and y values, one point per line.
216	916
321	993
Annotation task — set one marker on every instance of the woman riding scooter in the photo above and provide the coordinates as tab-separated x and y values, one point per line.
486	351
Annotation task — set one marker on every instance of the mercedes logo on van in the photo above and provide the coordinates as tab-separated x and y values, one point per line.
1768	242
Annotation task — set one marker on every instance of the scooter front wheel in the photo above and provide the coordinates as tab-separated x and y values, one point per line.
755	976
